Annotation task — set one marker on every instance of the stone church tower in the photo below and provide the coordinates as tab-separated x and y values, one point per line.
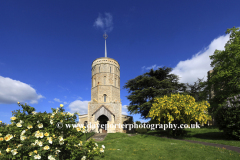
105	106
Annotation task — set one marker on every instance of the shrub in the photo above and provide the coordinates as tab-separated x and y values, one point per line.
34	135
228	117
141	130
178	109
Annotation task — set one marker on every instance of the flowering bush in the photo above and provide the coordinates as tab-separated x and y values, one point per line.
178	109
34	135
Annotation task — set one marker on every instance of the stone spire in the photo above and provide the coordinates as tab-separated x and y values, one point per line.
105	37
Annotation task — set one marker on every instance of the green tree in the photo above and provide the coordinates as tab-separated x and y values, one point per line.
198	90
144	88
179	109
225	78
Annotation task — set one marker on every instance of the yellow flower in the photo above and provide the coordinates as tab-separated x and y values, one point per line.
61	105
18	102
46	134
8	150
0	122
30	153
13	118
1	138
35	151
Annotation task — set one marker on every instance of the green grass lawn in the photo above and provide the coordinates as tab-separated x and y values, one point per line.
144	146
205	134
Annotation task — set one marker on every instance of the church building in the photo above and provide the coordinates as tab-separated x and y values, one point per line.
105	106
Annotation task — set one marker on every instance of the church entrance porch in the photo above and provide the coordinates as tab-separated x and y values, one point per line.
103	123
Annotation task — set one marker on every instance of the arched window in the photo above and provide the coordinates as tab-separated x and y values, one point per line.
104	80
85	123
105	97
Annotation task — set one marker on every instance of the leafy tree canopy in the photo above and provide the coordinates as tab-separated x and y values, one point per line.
144	88
225	78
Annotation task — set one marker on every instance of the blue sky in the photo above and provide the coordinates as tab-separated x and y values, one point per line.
47	47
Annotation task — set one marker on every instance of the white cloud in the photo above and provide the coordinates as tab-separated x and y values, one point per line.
198	66
13	91
50	102
57	100
105	23
65	103
124	110
144	121
79	106
154	67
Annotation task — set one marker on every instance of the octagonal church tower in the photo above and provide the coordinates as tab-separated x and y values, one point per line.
105	106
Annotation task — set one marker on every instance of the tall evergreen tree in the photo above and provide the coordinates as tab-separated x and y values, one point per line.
144	88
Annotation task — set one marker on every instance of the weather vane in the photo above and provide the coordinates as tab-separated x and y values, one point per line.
105	36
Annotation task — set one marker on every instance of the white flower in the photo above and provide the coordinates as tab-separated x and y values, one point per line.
8	150
96	144
80	144
34	112
46	148
23	132
19	125
57	151
60	138
36	141
50	141
22	138
51	121
61	142
21	121
103	146
14	152
41	135
19	145
40	144
8	137
83	158
40	125
0	134
29	126
37	121
94	148
37	156
50	157
37	135
101	150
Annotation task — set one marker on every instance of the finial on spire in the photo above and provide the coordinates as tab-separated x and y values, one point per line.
105	36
